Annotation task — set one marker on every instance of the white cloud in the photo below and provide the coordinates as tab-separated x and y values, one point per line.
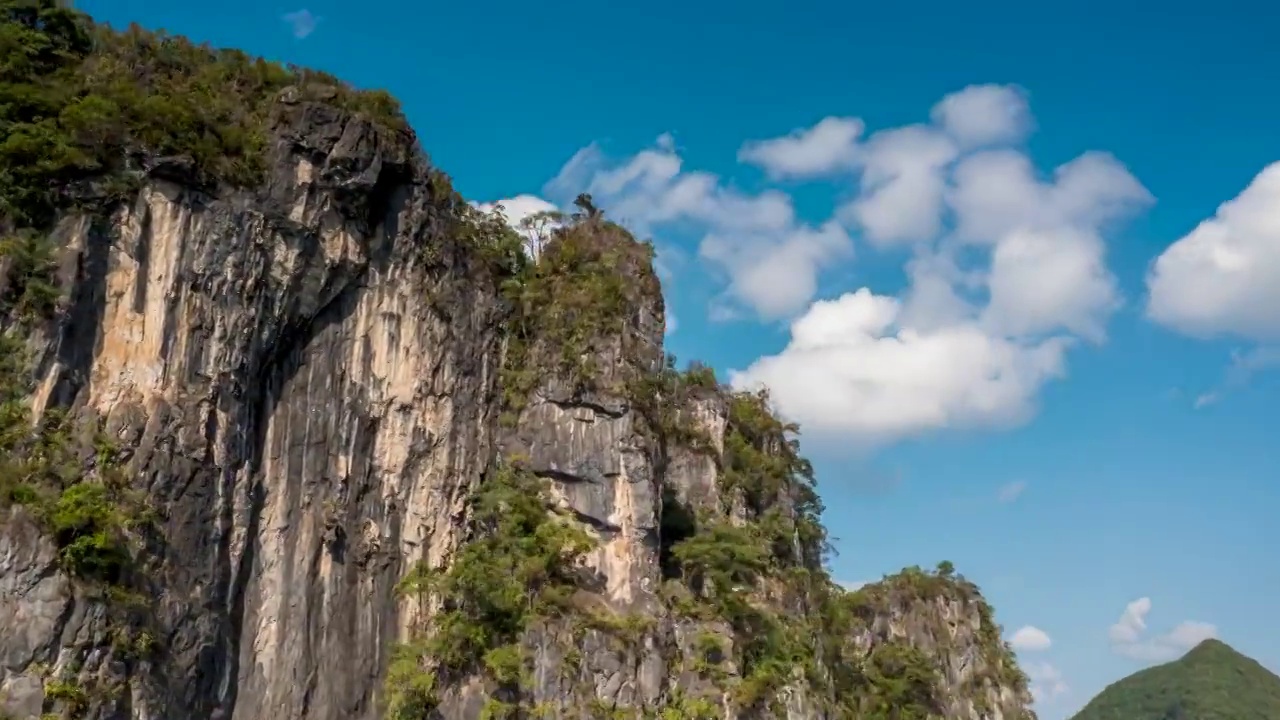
1030	638
1206	399
301	22
1132	622
1011	491
827	147
968	343
652	188
755	265
904	180
1223	278
1007	269
901	199
1129	635
1048	270
1047	683
850	368
984	115
1045	281
1189	633
853	585
902	169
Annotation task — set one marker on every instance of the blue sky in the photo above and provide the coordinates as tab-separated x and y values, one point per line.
1072	438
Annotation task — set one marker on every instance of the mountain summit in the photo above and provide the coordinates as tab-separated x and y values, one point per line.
1211	682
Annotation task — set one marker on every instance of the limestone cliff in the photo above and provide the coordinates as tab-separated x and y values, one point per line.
289	431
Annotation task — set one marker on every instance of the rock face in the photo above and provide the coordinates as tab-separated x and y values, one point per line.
307	407
302	385
947	623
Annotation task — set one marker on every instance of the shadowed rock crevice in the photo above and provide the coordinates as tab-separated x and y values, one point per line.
678	524
85	272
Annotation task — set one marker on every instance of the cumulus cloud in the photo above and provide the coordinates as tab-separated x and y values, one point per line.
902	170
851	368
984	115
755	265
828	147
1006	268
1132	622
1008	273
301	22
902	198
1047	683
1129	636
1223	278
1030	638
902	187
1048	269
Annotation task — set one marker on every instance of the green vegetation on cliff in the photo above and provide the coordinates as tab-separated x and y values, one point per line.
1211	682
86	111
517	569
67	475
65	472
570	304
756	561
746	572
83	107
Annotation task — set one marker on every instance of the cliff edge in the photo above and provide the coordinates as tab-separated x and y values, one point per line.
289	430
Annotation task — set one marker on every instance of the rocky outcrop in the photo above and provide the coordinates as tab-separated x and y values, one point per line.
262	429
306	403
948	623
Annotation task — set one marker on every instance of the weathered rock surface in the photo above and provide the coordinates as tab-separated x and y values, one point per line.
307	406
305	382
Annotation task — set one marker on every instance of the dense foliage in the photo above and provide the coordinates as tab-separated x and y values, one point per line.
518	568
1211	682
577	296
82	107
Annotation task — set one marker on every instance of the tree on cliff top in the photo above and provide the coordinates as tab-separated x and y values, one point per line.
80	101
588	209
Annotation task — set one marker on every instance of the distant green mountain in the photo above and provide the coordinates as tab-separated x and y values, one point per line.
1211	682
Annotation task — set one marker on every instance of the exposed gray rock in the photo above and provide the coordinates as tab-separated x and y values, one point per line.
305	383
307	403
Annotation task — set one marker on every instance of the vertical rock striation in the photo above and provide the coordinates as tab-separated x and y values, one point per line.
303	379
327	445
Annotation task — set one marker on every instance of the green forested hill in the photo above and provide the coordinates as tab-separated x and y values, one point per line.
1211	682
